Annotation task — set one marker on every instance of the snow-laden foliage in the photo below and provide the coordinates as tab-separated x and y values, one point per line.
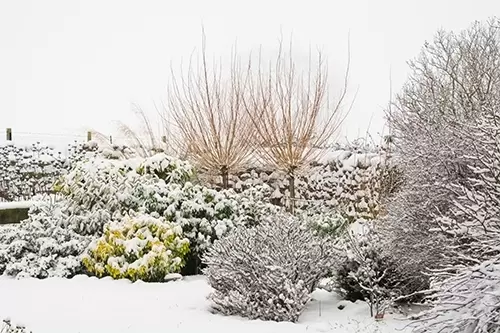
95	186
40	246
324	220
446	218
141	247
109	188
467	302
27	171
204	214
102	190
267	271
170	169
367	272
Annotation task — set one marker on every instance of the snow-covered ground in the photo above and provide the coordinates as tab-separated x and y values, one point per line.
89	305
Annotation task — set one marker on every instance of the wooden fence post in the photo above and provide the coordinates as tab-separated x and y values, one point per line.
8	134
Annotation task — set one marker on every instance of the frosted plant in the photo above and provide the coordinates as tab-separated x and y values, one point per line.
446	220
468	302
140	247
268	271
27	171
445	125
39	246
368	273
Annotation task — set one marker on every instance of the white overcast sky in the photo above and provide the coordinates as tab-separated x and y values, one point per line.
70	64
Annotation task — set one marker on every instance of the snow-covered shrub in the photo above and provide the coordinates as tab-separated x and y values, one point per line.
325	221
9	327
367	272
168	168
468	301
267	271
94	188
141	247
204	214
27	171
40	246
445	125
254	204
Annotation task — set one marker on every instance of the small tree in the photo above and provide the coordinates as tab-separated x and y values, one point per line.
445	129
208	111
447	134
291	113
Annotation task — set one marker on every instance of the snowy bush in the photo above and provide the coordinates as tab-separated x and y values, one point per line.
444	225
93	188
445	123
39	246
254	204
170	169
27	171
268	271
204	214
140	247
368	273
468	301
325	221
109	188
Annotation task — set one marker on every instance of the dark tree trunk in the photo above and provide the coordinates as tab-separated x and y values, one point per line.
225	177
291	188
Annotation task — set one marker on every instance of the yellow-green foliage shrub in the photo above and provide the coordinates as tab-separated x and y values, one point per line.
140	247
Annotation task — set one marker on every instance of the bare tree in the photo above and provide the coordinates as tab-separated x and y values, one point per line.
208	111
446	126
292	114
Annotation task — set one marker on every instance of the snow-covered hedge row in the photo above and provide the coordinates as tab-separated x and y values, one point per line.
268	271
350	182
140	247
26	171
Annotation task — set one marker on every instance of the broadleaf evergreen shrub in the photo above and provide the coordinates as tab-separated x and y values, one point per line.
141	247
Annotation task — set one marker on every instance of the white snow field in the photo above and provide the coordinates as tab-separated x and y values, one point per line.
90	305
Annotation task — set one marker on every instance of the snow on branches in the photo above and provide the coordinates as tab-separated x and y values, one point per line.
467	302
26	171
267	271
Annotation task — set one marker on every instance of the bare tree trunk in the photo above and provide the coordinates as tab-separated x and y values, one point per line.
371	303
291	188
225	177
